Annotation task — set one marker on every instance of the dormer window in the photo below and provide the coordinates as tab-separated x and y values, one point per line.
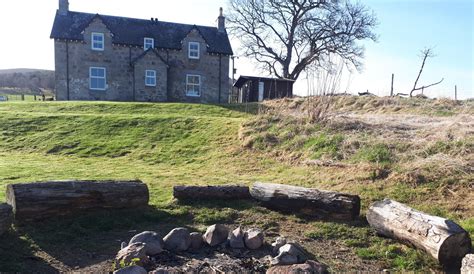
193	50
148	43
97	41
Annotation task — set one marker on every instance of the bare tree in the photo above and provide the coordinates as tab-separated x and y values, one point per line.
425	54
286	36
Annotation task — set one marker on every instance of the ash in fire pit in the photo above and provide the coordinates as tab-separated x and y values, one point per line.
214	252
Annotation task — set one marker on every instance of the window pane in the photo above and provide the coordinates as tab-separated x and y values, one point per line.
101	83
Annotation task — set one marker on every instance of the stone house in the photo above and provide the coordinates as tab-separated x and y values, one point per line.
110	58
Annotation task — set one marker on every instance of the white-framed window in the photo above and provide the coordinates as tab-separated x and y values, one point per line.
193	85
193	50
148	43
97	41
97	78
150	78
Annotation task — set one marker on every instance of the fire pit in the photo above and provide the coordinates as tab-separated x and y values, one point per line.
217	251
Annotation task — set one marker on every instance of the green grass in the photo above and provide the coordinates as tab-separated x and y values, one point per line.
171	144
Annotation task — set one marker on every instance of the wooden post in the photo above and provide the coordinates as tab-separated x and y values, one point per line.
391	90
23	97
455	92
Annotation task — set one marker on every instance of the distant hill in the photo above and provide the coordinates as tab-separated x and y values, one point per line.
22	70
24	80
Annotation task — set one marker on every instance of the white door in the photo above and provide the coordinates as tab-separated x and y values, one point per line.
261	88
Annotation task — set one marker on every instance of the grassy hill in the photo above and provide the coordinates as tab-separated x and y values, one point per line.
360	150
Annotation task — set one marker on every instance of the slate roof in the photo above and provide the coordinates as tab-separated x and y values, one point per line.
131	31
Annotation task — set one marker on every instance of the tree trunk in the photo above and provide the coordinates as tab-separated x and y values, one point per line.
211	192
35	201
6	218
307	201
443	239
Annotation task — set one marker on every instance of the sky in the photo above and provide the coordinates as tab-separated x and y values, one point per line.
405	27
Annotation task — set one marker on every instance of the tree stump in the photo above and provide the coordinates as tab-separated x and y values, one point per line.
443	239
6	218
224	192
307	201
34	201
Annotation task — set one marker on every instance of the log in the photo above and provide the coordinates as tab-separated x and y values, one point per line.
6	218
35	201
211	192
307	201
443	239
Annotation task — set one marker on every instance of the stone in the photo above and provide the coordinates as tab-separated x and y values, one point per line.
132	270
253	238
308	267
216	234
134	252
196	240
468	264
236	238
291	253
152	240
177	239
279	242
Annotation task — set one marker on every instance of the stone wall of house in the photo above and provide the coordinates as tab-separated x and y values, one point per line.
144	93
127	83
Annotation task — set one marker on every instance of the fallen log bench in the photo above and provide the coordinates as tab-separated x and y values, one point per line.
222	192
443	239
6	218
307	201
35	201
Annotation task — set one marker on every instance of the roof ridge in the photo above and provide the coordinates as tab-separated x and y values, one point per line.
142	19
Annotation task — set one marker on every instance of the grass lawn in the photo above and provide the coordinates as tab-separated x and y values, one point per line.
170	144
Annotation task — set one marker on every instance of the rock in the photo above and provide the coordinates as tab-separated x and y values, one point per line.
279	242
253	238
177	239
291	253
216	234
236	238
160	271
131	270
134	252
308	267
468	264
152	240
196	240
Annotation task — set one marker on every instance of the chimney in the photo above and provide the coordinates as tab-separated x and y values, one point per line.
63	7
221	21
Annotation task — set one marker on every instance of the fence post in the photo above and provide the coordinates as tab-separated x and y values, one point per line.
455	92
23	97
391	90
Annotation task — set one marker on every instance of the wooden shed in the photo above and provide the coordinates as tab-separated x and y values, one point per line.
257	89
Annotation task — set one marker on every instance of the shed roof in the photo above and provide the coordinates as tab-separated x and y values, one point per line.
243	79
131	31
